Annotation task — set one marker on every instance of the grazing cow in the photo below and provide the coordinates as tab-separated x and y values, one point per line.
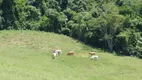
71	53
94	57
92	53
57	51
54	55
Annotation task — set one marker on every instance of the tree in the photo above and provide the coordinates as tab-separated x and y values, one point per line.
109	26
8	13
128	40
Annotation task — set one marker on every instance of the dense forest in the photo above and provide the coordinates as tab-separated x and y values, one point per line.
113	25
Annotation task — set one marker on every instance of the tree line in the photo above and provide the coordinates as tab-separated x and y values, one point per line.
113	25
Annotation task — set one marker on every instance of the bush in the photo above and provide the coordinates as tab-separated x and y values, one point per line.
65	31
139	52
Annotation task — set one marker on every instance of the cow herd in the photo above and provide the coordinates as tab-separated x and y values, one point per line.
71	53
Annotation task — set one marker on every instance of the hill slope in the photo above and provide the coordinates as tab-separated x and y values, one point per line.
26	55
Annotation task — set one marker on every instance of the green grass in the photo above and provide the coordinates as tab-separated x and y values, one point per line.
26	55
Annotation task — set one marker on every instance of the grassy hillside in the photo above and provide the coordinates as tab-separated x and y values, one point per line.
26	55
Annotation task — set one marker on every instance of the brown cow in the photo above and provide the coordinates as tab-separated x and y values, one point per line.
71	53
92	53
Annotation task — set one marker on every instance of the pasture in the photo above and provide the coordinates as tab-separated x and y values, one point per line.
26	55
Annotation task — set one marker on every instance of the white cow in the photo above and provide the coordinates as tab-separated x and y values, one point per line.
58	51
94	57
54	55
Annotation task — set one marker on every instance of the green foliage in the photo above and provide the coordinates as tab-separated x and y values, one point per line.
1	1
7	13
129	40
109	26
65	31
98	23
141	9
44	22
32	13
1	20
126	10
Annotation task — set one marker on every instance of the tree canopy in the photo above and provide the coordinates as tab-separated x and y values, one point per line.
114	25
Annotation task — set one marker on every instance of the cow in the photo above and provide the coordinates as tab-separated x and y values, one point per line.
54	55
71	53
92	53
94	57
57	51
